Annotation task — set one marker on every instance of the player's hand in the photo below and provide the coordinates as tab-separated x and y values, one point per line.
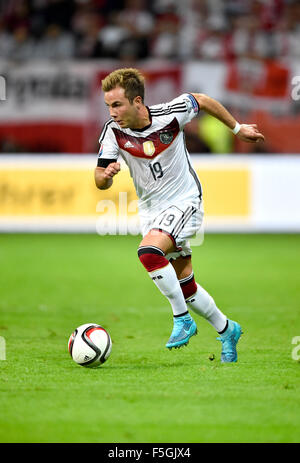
250	133
112	169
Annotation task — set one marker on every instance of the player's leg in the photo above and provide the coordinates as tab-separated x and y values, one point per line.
152	250
202	303
197	298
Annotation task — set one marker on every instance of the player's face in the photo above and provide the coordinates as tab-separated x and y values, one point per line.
120	108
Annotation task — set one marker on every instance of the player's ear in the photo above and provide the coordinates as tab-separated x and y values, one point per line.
138	100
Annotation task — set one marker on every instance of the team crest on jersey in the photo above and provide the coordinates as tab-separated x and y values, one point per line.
166	137
149	148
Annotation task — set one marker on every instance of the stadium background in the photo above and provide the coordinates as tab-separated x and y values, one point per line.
53	55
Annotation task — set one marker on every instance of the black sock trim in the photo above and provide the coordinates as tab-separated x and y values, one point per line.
150	250
226	326
187	280
181	314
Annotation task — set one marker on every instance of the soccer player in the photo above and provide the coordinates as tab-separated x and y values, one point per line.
151	142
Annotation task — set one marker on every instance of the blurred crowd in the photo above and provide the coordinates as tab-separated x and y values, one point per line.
139	29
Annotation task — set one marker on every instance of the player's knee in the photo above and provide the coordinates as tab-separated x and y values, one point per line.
188	286
152	258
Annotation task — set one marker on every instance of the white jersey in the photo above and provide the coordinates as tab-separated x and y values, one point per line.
156	155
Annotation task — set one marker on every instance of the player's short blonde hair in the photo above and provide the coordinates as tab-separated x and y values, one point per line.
130	79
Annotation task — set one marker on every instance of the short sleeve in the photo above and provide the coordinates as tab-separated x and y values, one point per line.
108	149
185	106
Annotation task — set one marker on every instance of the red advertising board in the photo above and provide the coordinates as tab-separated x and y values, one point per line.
59	108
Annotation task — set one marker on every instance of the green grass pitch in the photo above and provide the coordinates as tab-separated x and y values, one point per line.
50	284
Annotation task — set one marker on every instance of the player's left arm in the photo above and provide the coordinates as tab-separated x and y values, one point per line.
246	132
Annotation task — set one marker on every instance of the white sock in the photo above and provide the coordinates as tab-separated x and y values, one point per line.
166	280
203	304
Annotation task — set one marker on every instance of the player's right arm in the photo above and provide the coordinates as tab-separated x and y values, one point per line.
104	175
107	165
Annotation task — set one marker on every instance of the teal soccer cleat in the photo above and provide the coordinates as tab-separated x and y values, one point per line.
229	341
184	328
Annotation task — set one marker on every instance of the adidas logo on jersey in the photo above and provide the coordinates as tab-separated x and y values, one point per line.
128	145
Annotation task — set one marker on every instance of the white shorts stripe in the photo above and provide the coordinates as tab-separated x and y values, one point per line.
187	215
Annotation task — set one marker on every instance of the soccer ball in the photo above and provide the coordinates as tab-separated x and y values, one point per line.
90	345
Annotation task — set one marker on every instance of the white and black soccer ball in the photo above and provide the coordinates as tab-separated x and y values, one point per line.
90	345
